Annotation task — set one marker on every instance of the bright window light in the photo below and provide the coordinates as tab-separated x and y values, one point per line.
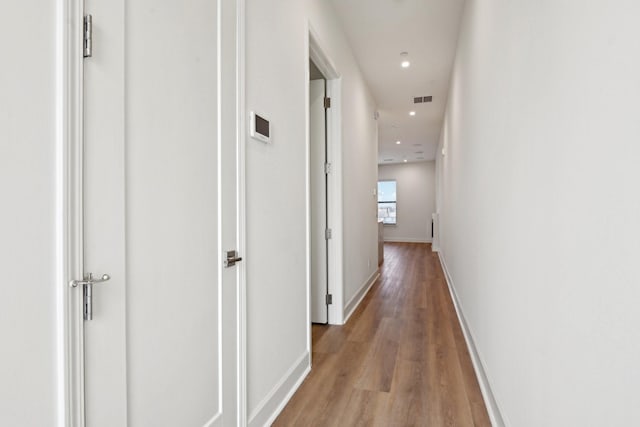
387	202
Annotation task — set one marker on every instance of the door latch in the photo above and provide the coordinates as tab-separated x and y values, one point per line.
232	258
87	292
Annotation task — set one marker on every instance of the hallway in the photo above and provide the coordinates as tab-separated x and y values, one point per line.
400	360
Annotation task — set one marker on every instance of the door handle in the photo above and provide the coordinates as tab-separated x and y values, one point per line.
232	258
87	292
89	280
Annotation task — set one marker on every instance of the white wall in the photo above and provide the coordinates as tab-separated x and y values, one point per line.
415	186
27	217
540	205
276	258
277	32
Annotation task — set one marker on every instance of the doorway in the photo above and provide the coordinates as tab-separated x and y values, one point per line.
318	171
328	173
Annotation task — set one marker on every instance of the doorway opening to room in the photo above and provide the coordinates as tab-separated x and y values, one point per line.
324	186
319	168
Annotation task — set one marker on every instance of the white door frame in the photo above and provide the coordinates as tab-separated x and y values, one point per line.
69	211
241	138
334	180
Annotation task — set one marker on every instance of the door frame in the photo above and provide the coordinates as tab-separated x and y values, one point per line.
241	138
318	54
69	80
69	212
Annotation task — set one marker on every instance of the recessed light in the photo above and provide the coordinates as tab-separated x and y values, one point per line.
398	142
405	160
412	113
405	63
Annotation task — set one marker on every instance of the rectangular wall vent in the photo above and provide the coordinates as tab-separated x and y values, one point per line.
421	99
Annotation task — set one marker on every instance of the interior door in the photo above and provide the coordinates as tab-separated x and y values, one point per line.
160	212
318	178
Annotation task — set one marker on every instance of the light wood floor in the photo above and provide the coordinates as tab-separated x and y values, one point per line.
401	360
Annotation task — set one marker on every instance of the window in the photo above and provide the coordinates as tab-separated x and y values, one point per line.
387	202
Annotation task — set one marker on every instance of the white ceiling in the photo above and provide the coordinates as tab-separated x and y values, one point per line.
378	32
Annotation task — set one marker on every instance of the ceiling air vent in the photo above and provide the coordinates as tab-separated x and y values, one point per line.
388	160
421	99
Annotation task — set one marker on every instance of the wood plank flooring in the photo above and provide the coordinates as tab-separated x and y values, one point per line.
401	360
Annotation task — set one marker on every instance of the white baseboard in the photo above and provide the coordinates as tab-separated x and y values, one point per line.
485	387
275	401
406	240
354	302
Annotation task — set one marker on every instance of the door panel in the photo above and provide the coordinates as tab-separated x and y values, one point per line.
29	215
172	213
154	156
317	158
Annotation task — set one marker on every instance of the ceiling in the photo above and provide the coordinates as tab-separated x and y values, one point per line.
427	30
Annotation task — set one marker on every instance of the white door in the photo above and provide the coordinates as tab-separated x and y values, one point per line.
160	212
318	179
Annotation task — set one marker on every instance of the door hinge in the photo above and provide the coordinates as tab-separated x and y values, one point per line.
327	233
87	36
329	299
327	102
327	168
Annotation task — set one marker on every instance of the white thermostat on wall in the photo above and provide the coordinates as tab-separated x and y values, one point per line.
260	128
